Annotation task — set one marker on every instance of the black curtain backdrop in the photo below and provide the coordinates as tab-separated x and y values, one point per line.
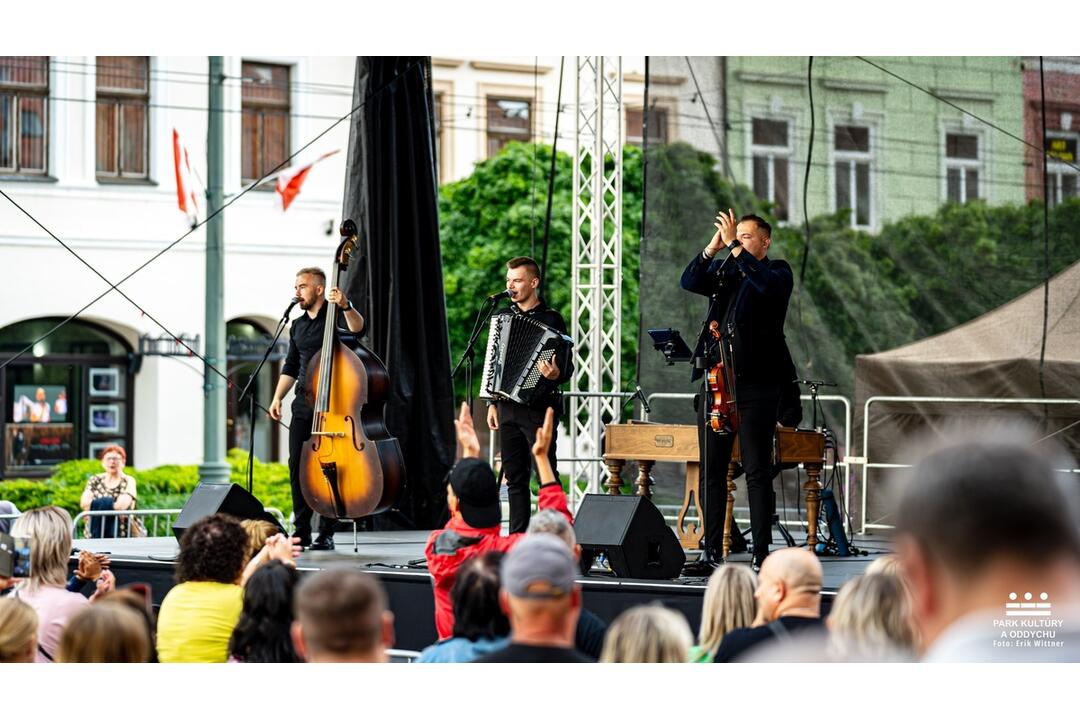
391	192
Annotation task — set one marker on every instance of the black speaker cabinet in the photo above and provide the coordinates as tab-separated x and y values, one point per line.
631	532
228	498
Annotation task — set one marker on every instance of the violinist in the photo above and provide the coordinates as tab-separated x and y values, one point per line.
749	298
305	339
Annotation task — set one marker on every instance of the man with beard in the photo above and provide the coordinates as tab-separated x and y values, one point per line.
305	339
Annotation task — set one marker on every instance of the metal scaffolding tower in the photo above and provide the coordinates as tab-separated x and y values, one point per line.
597	264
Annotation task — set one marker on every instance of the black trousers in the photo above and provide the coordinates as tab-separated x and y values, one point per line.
517	433
757	410
299	433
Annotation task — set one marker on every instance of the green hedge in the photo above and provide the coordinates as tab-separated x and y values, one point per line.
165	486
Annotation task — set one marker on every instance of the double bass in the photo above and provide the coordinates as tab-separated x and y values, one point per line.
351	467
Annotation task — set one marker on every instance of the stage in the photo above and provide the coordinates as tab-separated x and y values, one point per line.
397	558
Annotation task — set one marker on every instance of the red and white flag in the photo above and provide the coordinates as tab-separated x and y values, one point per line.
185	187
287	182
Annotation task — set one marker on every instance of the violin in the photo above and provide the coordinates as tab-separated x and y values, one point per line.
351	467
723	417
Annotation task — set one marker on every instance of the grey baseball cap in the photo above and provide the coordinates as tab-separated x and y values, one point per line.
539	566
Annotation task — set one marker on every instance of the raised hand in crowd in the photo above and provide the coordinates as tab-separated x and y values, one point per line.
105	584
91	565
466	433
541	445
277	547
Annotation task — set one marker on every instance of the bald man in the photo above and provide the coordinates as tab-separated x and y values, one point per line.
789	603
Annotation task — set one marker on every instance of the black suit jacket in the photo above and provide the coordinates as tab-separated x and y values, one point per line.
760	352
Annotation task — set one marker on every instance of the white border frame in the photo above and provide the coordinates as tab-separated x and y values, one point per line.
114	408
113	372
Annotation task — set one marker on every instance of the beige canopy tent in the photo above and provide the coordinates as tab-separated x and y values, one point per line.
995	355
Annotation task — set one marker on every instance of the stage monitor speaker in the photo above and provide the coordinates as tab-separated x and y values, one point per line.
228	498
631	532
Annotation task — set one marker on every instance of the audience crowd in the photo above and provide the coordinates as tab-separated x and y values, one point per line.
979	525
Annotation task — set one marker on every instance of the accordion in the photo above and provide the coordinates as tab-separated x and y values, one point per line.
515	344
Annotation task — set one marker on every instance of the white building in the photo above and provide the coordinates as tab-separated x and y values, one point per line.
89	155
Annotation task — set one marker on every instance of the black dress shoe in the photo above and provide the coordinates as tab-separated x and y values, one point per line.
305	541
323	542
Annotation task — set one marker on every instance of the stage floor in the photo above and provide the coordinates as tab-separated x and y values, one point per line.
397	558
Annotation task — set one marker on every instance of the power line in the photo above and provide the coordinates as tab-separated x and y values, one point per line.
115	286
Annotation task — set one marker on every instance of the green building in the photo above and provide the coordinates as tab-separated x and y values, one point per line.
883	148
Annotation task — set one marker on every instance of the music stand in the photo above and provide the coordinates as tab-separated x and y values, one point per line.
671	344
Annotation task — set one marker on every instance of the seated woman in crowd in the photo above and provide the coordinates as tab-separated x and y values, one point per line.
258	532
728	604
111	490
480	627
137	597
49	532
648	634
105	632
871	620
199	614
18	631
262	633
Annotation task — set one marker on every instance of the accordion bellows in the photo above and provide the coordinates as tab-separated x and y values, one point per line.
516	343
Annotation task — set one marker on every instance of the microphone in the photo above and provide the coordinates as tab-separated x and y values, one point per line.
500	295
292	303
640	394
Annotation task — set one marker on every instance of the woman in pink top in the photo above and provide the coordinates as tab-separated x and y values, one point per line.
49	531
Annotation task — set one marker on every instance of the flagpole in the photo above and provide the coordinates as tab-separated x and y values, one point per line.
214	469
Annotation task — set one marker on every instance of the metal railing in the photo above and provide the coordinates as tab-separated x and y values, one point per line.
402	656
865	459
155	513
841	460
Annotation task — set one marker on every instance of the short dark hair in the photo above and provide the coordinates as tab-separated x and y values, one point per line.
213	549
522	261
340	611
262	633
978	500
475	598
761	223
317	272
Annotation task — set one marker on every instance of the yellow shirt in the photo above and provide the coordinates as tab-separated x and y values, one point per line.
196	620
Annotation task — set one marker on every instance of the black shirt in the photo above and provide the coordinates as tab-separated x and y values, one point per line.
516	653
305	339
738	641
589	636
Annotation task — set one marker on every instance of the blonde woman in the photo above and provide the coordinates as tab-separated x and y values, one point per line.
18	631
647	634
871	620
105	632
728	604
49	532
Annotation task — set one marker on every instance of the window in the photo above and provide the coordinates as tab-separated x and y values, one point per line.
440	140
1062	178
24	95
770	151
962	167
264	118
658	126
851	157
508	119
123	97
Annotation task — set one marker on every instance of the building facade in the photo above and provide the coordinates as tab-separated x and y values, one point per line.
86	149
1061	78
884	147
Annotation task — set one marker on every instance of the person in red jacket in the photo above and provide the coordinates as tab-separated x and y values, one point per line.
475	515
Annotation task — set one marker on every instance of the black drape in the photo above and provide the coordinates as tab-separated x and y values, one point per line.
391	192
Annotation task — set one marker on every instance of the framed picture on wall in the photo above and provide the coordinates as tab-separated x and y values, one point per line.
104	418
93	449
105	382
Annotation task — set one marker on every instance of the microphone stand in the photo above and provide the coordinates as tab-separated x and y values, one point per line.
470	350
247	388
